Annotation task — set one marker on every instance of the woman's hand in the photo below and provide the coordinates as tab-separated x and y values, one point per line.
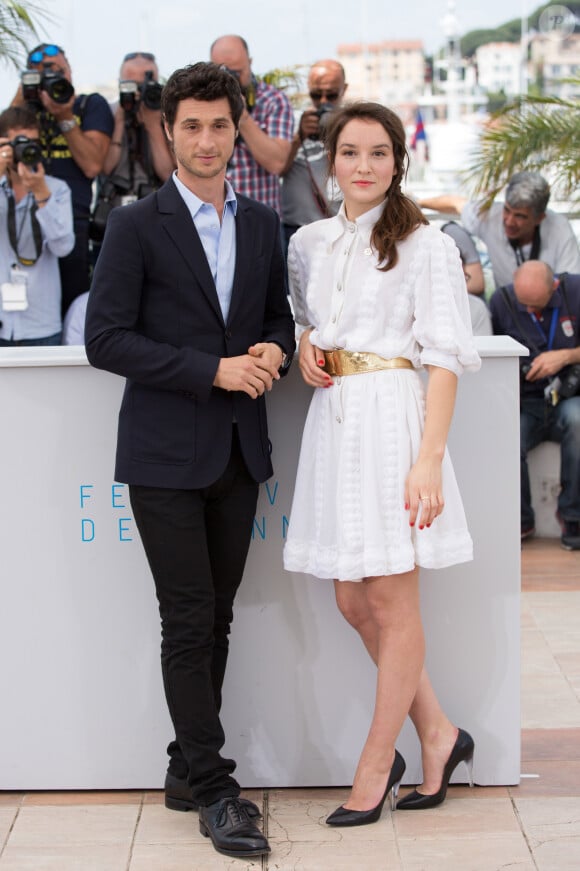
311	361
424	492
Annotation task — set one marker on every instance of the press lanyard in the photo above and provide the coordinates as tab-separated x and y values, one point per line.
534	252
15	236
553	325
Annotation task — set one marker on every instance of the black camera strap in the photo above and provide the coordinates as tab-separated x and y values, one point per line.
319	197
14	234
535	250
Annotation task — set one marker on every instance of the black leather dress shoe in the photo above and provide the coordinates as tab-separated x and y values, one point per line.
231	830
178	797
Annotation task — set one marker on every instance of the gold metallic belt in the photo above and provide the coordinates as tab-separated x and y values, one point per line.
356	362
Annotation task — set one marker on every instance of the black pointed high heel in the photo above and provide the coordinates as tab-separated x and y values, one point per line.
462	752
343	816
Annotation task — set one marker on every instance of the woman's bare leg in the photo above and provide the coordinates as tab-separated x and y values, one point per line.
436	734
391	603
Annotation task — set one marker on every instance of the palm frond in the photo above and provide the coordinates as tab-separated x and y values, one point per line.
534	133
19	24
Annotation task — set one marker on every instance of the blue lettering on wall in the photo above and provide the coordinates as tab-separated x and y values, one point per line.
124	529
87	530
84	495
271	496
260	529
117	492
284	525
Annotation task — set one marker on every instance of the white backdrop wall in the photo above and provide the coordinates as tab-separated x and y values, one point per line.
80	681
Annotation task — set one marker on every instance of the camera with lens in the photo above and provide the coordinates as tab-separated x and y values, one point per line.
26	151
570	382
323	118
149	90
248	91
58	88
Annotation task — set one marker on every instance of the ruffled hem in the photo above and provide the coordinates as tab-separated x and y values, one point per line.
326	563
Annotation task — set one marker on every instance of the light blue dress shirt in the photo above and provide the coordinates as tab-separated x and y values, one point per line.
42	317
218	238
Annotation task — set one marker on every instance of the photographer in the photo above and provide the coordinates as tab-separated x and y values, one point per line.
36	228
543	313
75	130
139	158
265	128
305	176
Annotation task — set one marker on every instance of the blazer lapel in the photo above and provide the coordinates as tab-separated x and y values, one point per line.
244	242
179	225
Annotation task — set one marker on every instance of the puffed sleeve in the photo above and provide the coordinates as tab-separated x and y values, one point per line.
298	280
442	324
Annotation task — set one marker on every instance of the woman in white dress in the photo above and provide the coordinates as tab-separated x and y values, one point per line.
381	294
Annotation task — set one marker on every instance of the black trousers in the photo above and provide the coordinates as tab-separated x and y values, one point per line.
196	542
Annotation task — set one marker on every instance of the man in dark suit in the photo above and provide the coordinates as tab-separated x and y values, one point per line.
188	303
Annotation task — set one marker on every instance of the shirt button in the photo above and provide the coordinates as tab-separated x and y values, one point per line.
351	228
337	380
333	319
339	419
339	286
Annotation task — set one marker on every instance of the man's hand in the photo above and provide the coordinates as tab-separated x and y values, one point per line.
309	127
5	156
253	373
61	111
547	364
33	180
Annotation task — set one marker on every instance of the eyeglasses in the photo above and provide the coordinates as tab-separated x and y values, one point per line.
331	96
36	55
133	54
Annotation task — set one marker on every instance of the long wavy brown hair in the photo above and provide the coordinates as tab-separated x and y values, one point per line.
400	215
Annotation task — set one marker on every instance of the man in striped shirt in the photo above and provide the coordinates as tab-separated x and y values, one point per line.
266	127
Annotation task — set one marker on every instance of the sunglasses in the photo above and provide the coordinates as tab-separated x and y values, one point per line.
36	55
331	96
133	54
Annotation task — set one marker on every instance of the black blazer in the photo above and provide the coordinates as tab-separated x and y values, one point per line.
153	316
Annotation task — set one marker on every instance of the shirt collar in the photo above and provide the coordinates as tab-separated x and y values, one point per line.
193	202
367	219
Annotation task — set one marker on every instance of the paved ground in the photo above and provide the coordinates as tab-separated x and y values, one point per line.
533	826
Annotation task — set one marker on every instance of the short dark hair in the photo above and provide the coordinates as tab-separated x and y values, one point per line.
17	118
201	81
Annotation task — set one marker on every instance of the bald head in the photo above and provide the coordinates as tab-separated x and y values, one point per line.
534	284
232	52
135	69
326	81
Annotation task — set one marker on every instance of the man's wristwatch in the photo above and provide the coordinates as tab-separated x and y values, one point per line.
67	126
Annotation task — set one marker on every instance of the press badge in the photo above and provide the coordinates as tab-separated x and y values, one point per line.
14	296
567	328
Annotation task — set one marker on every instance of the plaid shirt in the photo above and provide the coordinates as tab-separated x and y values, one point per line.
274	115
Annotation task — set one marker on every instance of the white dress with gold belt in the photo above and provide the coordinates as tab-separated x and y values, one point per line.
363	434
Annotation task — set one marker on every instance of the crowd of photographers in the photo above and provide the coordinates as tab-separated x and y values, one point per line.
68	159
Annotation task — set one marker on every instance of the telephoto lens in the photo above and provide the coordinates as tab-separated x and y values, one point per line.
57	87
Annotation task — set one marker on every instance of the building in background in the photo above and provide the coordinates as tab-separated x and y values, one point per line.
391	72
499	67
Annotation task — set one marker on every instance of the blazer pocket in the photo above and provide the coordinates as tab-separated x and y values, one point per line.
162	427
